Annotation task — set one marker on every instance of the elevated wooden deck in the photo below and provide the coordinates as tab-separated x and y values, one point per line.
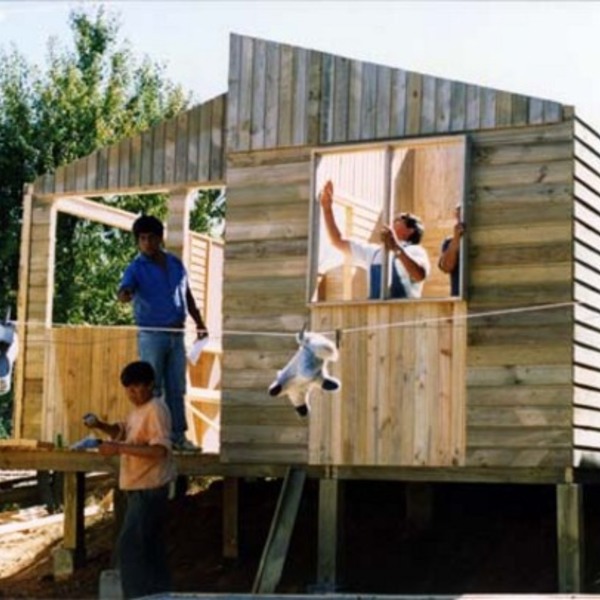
210	464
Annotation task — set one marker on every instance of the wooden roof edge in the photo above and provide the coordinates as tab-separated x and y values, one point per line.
41	183
234	35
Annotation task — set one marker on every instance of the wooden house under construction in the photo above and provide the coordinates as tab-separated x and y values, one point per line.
498	384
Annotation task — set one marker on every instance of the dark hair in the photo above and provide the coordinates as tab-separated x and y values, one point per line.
412	222
147	224
137	372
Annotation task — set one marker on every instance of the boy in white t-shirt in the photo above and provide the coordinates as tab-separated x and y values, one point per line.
402	240
147	468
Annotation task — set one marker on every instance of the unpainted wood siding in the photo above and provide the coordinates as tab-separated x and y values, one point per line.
264	303
520	292
402	396
519	269
280	95
586	415
187	150
34	310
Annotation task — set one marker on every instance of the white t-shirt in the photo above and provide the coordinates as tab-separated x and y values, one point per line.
367	255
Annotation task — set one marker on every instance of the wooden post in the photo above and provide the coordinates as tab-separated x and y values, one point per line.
329	537
569	529
419	506
74	526
22	312
230	517
178	222
278	541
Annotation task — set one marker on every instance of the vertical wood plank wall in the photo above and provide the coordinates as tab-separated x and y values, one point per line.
586	417
83	366
317	98
264	302
402	400
181	152
519	364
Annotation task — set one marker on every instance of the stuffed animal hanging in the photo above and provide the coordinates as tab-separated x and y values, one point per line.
9	348
307	370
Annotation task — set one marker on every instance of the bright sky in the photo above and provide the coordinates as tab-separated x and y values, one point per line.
545	49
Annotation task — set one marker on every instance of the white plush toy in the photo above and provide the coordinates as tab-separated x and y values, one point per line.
306	370
9	346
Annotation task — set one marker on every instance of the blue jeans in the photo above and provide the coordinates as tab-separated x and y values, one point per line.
165	351
142	556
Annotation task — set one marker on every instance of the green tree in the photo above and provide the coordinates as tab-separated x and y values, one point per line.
88	97
208	213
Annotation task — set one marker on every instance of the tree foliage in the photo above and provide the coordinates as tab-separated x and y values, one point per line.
88	96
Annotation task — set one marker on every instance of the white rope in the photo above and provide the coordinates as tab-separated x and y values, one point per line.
464	318
414	323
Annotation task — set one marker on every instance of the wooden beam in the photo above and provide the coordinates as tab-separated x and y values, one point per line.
569	529
230	517
178	222
206	463
280	534
419	506
74	531
330	532
22	312
94	211
40	522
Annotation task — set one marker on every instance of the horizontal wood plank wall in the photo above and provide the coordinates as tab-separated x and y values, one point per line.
402	396
520	240
264	303
586	418
281	95
187	150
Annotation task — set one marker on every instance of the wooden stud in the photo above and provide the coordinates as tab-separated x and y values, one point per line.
230	517
276	547
74	526
569	526
331	502
419	506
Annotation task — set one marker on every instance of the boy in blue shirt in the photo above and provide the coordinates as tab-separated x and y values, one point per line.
157	283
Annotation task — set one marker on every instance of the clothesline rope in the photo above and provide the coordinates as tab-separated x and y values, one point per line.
456	319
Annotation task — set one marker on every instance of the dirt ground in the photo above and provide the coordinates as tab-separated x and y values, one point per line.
482	539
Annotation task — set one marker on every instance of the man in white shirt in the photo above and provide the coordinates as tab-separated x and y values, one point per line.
402	240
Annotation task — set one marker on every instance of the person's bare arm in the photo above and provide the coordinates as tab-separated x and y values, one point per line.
449	258
125	295
195	314
333	231
114	430
415	271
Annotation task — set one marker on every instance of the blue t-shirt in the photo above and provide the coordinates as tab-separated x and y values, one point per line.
159	294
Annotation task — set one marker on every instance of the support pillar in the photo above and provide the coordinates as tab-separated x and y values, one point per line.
230	517
569	529
419	507
330	534
71	555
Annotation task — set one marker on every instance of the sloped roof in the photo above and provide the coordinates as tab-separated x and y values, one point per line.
281	95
